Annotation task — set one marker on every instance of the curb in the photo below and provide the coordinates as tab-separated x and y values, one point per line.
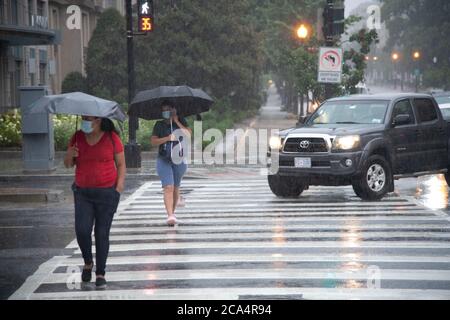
26	195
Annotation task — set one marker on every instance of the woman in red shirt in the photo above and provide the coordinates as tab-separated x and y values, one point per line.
97	153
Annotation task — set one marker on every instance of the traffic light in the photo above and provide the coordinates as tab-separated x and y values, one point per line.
338	20
333	17
145	15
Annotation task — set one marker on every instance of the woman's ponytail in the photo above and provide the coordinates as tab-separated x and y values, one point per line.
108	126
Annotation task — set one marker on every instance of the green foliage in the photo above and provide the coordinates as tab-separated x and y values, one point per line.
220	118
143	135
205	44
293	64
355	63
74	82
64	127
10	134
106	66
420	25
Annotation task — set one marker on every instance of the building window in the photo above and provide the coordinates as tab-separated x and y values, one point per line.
54	22
42	73
14	12
16	81
30	12
2	12
42	67
40	8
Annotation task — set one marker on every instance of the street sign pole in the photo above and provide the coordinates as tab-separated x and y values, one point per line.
329	86
329	43
334	26
132	149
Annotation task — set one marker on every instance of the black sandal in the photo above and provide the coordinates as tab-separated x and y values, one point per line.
100	283
86	275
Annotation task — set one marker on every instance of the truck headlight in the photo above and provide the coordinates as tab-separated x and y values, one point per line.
346	142
275	143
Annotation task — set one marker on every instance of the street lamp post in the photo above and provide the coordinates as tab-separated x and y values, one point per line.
416	57
303	34
395	58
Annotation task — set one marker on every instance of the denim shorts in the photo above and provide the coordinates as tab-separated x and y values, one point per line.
169	173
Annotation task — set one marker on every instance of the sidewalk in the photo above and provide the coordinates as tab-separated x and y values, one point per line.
374	89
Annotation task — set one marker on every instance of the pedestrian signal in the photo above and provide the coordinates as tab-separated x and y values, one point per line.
145	15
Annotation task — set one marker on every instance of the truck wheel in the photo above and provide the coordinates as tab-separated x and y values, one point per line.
447	178
285	187
375	181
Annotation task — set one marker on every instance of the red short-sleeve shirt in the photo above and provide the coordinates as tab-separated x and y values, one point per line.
95	165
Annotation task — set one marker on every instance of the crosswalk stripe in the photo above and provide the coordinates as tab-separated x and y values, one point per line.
275	273
281	219
235	293
188	210
153	215
279	206
241	225
350	243
313	235
262	257
243	228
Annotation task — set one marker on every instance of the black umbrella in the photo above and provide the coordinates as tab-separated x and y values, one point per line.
187	101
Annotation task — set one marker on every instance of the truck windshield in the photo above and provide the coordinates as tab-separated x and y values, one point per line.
350	112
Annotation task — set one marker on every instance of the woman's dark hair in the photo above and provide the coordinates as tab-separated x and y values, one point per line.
108	126
167	103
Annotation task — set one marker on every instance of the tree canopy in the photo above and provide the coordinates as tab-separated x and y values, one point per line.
417	25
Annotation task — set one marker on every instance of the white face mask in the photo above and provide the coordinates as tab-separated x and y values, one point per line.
166	114
86	126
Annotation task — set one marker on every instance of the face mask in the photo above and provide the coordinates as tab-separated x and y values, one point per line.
166	114
86	126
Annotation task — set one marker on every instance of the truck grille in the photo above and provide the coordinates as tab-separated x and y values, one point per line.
310	145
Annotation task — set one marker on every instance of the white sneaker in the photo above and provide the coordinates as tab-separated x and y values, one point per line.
181	202
172	220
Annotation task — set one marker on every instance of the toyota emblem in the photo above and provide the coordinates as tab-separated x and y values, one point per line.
304	144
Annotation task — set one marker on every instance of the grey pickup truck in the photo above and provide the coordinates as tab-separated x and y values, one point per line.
367	141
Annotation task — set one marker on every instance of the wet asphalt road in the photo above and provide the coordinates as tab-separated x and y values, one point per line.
236	239
31	234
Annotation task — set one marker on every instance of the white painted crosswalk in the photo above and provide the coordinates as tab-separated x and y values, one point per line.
236	239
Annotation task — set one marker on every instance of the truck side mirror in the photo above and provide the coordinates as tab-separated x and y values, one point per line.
302	120
401	120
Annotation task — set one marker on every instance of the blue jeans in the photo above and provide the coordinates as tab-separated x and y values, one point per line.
170	173
94	206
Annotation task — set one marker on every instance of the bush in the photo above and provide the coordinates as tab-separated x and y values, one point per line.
143	135
222	117
74	82
64	127
10	129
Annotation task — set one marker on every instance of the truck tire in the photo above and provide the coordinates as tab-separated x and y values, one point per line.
375	181
285	187
447	178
